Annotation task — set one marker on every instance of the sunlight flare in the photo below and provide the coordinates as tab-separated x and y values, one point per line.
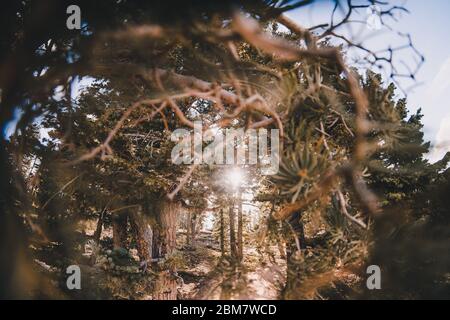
235	177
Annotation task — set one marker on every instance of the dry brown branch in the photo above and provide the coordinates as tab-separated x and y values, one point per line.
367	198
279	48
191	82
183	181
207	91
149	117
60	190
180	113
343	204
104	147
137	32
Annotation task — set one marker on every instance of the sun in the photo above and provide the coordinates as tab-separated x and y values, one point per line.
235	177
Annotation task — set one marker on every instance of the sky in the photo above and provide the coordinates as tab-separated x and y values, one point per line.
428	23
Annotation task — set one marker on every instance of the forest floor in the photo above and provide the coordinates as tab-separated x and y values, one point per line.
203	273
261	276
207	276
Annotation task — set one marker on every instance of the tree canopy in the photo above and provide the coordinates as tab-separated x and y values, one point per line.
88	178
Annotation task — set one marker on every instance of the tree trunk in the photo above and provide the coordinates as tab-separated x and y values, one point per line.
281	249
233	248
164	244
188	227
294	245
191	227
165	286
222	233
298	232
143	234
240	240
119	223
164	235
99	228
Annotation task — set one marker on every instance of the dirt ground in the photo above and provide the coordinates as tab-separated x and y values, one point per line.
207	276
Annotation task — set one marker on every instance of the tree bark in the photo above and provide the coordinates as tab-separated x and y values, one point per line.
119	222
281	249
240	240
165	287
295	244
222	233
233	248
189	227
164	235
143	234
192	227
164	244
99	228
